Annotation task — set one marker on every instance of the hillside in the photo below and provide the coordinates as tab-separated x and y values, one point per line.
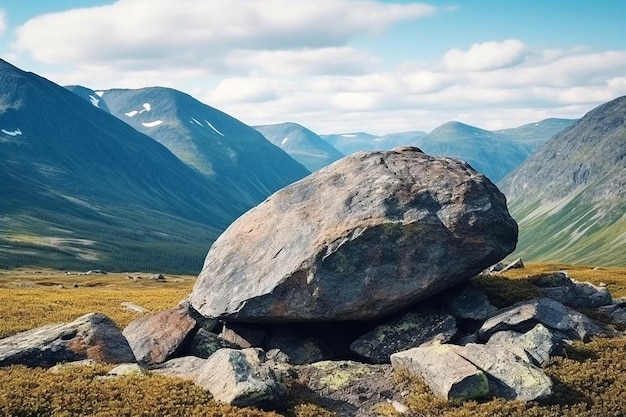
569	198
81	189
301	144
349	143
536	134
232	155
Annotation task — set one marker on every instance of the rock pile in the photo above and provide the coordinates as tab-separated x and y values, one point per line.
362	268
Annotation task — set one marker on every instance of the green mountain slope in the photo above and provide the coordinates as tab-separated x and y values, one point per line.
81	189
301	144
232	155
569	198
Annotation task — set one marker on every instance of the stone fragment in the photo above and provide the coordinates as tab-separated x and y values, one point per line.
239	377
516	264
509	375
469	303
92	336
536	346
570	292
525	315
155	338
243	335
357	240
410	330
206	343
446	373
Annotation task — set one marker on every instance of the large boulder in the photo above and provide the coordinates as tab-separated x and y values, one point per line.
93	336
359	239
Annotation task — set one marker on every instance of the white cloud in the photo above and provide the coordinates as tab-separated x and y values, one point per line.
175	32
485	56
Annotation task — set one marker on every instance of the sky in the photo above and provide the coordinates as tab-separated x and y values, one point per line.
336	66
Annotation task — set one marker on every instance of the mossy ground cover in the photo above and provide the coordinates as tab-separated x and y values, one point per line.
589	380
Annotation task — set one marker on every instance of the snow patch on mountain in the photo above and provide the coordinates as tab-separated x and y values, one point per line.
11	132
94	100
193	120
152	124
99	93
213	127
131	113
284	141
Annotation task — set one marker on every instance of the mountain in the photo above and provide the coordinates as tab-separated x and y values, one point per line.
244	163
349	143
81	189
536	134
493	154
301	144
569	197
94	97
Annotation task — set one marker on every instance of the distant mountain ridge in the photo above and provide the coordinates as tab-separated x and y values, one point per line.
493	153
81	189
569	197
241	160
301	144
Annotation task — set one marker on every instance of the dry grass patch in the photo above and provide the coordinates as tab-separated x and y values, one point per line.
30	299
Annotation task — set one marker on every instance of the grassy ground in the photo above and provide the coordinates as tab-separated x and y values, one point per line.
589	381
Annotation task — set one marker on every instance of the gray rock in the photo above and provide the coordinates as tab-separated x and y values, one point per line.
469	303
497	267
243	335
360	239
92	336
411	330
135	308
348	388
509	375
446	373
206	343
156	337
186	367
241	378
128	369
300	350
516	264
536	346
523	316
570	292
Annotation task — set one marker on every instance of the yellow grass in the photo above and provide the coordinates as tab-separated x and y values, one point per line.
29	299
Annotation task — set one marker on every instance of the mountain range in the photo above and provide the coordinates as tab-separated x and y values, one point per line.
301	144
569	197
81	188
146	179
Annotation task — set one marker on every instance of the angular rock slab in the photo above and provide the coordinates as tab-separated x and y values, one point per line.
359	239
93	336
409	331
524	315
446	373
469	303
509	375
156	337
536	346
241	378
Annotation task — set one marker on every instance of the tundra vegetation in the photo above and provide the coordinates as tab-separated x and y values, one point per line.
588	380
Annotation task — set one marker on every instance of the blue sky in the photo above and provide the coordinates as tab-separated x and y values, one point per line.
336	66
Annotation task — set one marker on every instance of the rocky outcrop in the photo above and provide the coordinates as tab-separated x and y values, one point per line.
446	373
525	315
156	337
360	239
565	290
411	330
469	303
93	336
